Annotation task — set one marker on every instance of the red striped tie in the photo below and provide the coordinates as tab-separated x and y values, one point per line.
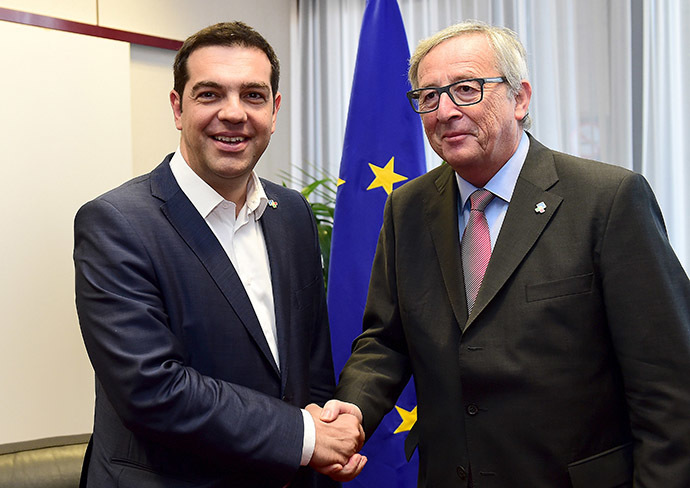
476	245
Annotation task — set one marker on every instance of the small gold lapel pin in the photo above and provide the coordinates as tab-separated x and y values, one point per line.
273	204
540	208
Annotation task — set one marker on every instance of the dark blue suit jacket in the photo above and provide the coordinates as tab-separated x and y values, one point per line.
187	391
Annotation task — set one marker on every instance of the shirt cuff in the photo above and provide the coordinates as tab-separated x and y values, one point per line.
309	440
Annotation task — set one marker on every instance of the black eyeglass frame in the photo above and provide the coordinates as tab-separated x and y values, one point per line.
446	89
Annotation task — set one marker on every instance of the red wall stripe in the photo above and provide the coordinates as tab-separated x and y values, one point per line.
27	18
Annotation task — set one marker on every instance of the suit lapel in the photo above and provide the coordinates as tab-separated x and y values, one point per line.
522	225
442	214
273	226
189	224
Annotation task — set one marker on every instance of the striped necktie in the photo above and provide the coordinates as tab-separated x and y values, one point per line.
476	245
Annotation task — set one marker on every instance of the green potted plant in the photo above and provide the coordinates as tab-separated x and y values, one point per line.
320	190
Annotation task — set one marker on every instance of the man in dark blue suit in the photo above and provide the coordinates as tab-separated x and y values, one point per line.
201	301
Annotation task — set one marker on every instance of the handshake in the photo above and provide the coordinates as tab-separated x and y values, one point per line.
339	437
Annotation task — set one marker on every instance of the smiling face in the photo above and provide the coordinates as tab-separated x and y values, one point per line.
227	115
476	140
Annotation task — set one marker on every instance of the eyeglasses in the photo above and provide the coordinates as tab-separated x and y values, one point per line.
461	93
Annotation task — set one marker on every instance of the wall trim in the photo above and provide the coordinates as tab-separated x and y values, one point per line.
27	18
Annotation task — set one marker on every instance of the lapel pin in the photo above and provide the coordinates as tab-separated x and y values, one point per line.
540	208
273	204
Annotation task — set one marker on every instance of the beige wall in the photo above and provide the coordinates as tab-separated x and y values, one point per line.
153	129
80	115
77	10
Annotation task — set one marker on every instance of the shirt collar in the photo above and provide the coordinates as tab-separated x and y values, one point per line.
256	196
205	199
503	183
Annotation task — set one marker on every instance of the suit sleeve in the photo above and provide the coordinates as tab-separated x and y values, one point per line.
379	368
141	363
647	297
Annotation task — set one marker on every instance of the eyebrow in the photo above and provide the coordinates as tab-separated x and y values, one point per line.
452	82
212	84
256	84
204	84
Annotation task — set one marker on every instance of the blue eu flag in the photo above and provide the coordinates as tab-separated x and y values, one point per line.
383	149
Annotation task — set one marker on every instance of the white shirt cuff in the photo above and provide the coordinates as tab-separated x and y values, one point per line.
309	440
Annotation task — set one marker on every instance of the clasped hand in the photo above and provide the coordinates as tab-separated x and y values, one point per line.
339	437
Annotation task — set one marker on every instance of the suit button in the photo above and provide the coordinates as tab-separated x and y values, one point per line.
462	474
472	409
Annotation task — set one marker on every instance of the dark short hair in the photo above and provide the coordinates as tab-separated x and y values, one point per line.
223	34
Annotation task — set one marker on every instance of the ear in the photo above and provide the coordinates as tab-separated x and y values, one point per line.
522	99
276	107
176	104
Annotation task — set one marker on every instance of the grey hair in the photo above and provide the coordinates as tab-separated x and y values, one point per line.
509	53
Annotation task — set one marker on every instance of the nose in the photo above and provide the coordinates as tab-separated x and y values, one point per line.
446	108
232	110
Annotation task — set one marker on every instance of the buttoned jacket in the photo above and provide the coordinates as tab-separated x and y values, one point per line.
187	390
571	369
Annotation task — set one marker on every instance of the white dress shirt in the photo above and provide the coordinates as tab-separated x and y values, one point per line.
243	241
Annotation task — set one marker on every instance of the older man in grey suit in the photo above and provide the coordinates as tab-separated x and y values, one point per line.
533	296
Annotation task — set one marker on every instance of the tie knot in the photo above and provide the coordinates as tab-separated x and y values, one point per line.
480	199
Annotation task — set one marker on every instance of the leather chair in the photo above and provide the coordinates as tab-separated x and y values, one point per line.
43	463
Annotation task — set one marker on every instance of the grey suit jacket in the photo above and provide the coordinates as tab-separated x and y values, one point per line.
572	368
187	391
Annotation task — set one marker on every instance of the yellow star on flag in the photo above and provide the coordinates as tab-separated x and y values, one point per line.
385	177
408	419
339	182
